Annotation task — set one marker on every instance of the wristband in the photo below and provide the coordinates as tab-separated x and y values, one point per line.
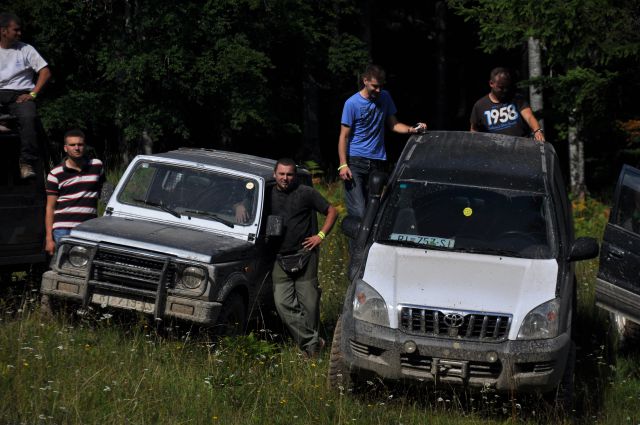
33	94
540	130
321	235
342	166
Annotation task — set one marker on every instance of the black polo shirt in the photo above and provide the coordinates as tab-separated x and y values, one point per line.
297	207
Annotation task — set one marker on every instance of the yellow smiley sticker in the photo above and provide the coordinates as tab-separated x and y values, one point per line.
467	212
249	185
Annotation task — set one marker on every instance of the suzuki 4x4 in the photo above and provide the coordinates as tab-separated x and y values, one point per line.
183	236
465	273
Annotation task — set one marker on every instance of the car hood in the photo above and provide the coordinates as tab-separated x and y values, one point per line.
460	281
193	244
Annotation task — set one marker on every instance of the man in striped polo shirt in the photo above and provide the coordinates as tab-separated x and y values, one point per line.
73	188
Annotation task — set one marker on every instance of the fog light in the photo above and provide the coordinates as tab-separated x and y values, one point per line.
78	256
492	357
410	347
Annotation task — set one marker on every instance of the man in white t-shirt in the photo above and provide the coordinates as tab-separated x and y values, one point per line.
19	64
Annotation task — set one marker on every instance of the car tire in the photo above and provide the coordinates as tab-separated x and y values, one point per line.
560	400
626	330
339	377
233	317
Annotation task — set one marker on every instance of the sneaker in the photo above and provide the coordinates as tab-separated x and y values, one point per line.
26	170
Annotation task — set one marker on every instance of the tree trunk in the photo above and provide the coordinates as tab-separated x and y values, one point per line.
441	61
535	71
310	148
576	161
146	143
365	20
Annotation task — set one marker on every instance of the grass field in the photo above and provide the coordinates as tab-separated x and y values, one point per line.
120	369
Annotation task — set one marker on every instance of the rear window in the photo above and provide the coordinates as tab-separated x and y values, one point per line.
469	219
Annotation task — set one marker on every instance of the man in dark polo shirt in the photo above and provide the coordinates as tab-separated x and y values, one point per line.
72	188
295	273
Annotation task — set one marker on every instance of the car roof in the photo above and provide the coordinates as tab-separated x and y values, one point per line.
477	159
250	164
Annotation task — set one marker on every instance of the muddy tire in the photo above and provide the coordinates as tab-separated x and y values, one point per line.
339	377
232	320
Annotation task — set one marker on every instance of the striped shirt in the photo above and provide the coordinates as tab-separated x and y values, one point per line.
77	193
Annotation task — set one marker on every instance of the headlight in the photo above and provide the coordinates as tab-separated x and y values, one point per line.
542	322
78	256
192	277
369	306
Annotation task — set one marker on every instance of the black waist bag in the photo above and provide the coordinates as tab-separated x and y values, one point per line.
293	263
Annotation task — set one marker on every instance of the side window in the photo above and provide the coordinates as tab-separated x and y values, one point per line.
627	211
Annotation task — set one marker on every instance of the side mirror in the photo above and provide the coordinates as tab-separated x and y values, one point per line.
275	224
377	181
351	226
107	192
584	249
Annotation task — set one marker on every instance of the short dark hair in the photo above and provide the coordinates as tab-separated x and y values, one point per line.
499	70
287	162
374	71
76	132
7	17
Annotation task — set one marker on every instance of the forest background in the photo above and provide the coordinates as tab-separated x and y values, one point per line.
270	77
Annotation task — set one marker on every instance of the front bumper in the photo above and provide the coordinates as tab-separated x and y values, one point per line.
527	366
74	288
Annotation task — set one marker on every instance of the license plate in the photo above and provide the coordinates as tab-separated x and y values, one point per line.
121	302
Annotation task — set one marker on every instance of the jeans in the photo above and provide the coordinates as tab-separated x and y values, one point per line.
59	233
26	114
357	188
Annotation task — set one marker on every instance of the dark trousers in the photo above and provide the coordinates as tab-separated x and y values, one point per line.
27	116
356	189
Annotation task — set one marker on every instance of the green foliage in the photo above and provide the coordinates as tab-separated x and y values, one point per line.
171	70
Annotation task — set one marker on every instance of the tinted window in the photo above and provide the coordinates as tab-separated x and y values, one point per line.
628	208
464	218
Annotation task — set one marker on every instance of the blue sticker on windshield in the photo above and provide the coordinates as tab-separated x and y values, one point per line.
403	185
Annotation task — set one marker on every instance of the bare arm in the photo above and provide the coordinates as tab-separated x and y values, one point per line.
43	76
315	240
532	122
398	127
345	172
50	244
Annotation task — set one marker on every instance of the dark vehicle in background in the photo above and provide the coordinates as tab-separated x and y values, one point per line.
22	207
465	270
618	283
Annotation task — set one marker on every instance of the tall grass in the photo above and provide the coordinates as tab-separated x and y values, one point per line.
121	369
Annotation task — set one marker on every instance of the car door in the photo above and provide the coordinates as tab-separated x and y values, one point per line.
618	282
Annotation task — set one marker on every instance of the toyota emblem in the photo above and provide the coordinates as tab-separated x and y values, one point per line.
453	320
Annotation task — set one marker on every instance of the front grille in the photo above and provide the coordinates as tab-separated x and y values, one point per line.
455	324
424	365
129	270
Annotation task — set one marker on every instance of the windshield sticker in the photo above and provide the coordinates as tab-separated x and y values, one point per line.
144	165
249	186
467	212
424	240
403	185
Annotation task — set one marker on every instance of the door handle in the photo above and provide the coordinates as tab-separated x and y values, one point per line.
616	252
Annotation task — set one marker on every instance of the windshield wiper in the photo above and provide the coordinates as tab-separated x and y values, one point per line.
490	251
160	205
216	217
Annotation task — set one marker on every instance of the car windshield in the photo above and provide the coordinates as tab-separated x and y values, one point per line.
469	219
189	192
